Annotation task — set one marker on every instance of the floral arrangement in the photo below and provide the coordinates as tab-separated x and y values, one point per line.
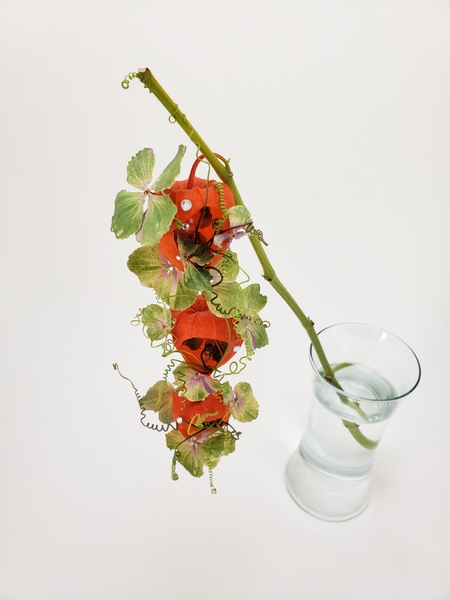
206	311
203	316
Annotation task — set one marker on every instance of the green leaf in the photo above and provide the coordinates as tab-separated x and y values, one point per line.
251	300
239	215
171	172
195	392
183	298
228	266
229	444
166	285
197	279
184	379
197	385
204	448
127	216
242	403
223	300
213	448
140	169
160	213
173	439
188	452
158	321
253	332
201	254
258	333
225	388
145	263
154	271
159	399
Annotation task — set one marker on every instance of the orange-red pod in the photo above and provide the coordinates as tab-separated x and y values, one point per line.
186	413
205	340
198	204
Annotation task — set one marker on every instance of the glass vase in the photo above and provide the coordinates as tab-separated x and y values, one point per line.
329	475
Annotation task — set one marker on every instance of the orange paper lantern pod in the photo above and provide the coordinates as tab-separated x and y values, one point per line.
188	414
205	340
199	208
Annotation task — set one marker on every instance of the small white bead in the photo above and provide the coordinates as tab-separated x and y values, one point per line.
179	420
186	205
236	348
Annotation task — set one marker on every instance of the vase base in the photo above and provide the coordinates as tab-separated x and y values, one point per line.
324	494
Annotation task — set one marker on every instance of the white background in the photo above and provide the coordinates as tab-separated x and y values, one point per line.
336	117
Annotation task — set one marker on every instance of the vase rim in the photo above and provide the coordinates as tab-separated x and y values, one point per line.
374	328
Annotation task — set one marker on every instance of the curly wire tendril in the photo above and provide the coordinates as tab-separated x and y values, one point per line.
256	232
218	306
172	116
211	484
174	466
126	82
232	431
223	208
235	368
170	368
154	426
197	144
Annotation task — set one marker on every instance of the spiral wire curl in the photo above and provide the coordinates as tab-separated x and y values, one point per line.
126	81
153	426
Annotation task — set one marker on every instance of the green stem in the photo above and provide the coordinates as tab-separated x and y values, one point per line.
359	436
224	172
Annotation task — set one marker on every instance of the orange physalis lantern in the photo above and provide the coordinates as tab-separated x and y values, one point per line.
201	205
188	414
205	340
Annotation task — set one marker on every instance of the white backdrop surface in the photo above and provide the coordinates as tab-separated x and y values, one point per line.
336	117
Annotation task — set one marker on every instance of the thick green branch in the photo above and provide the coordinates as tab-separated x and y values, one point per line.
222	168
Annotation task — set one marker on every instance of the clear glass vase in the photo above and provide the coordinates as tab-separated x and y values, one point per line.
329	475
